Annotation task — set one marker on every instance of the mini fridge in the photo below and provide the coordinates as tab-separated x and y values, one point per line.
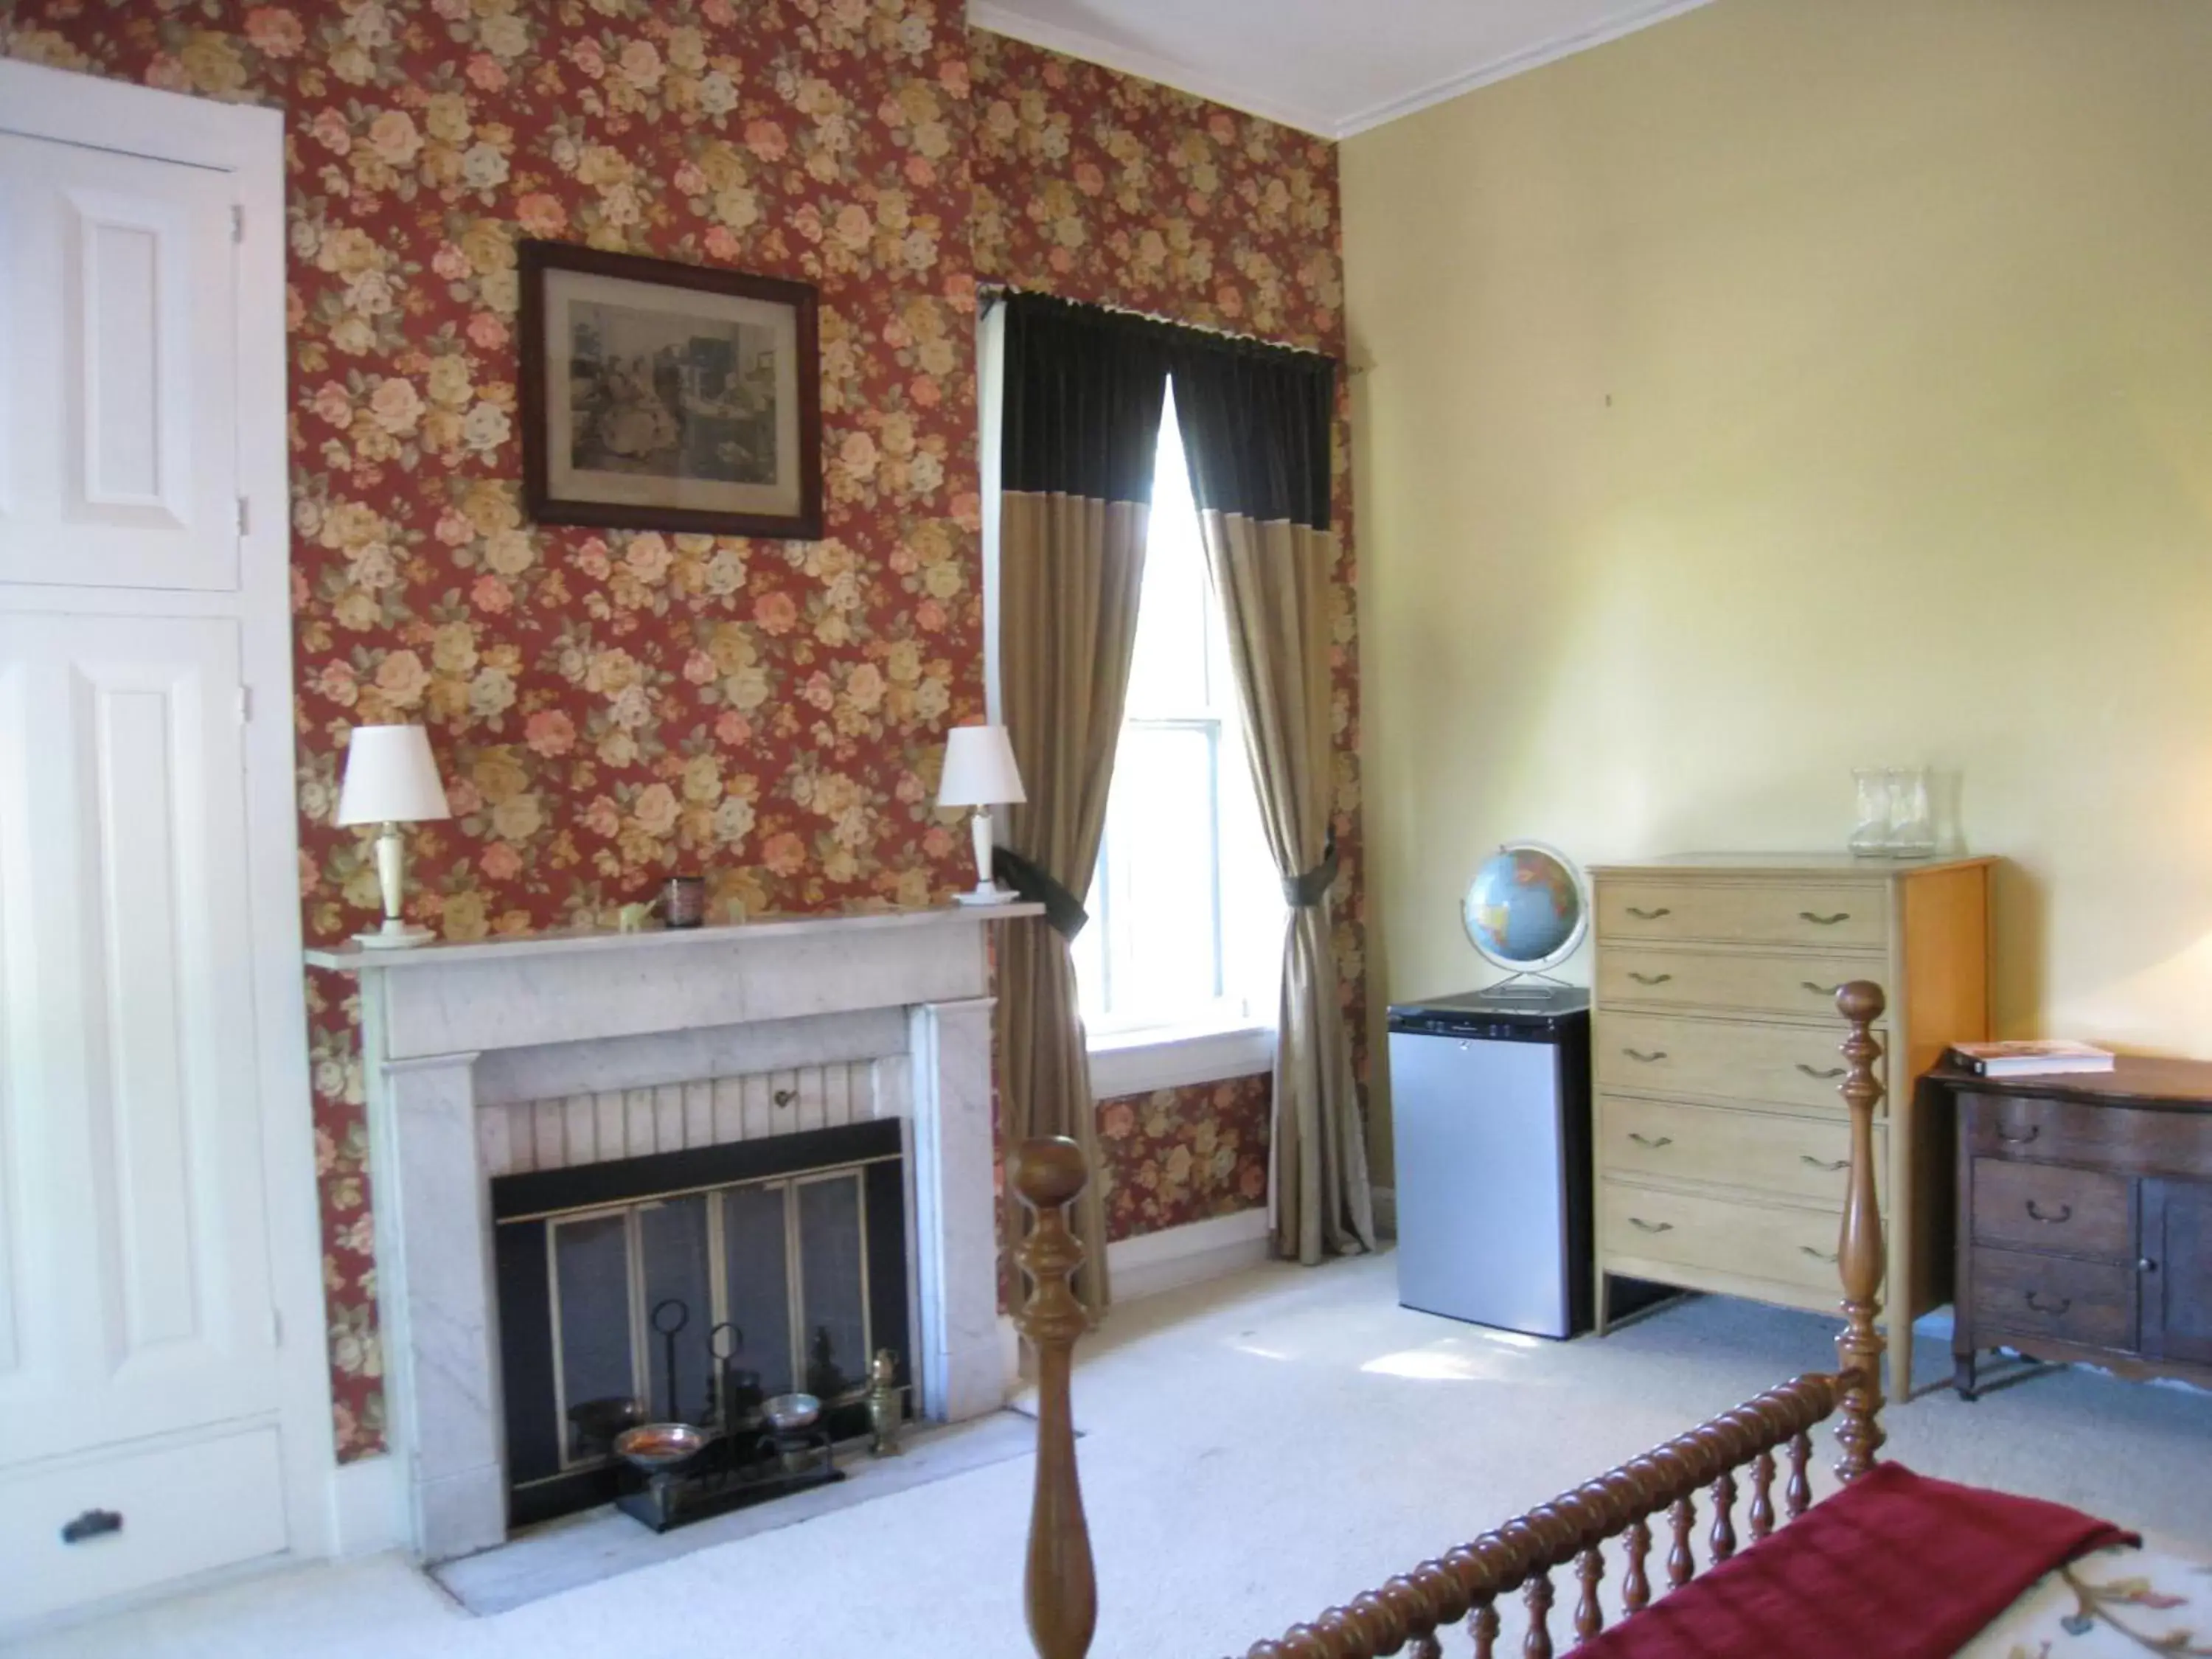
1489	1101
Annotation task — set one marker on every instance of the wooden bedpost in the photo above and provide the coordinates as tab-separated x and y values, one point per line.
1859	1256
1059	1586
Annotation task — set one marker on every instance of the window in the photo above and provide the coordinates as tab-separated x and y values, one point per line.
1186	906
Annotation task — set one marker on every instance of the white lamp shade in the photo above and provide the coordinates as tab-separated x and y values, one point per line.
390	778
979	769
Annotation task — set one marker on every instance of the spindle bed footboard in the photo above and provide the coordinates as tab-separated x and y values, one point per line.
1659	1490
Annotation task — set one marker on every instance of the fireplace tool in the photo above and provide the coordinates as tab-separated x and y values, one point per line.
660	1449
790	1453
737	1388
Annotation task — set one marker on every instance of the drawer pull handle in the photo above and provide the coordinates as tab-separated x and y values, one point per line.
1824	921
93	1524
1638	1222
1819	990
2145	1265
1649	979
2033	1130
1815	1071
1638	1053
1828	1256
1654	1142
2050	1309
784	1097
1832	1166
2035	1213
1650	916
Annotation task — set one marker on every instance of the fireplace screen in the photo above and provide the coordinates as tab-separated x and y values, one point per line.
692	1285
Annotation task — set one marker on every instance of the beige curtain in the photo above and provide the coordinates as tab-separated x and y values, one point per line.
1273	580
1083	393
1069	573
1256	425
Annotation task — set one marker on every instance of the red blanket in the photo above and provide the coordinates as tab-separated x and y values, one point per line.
1894	1566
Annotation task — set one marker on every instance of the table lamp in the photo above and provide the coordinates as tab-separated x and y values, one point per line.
980	772
391	778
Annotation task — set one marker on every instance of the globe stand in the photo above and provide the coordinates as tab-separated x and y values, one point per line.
1539	987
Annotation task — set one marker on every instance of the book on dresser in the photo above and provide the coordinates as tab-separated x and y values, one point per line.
1722	1143
2047	1058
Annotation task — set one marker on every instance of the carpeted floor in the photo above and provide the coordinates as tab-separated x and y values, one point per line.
1254	1450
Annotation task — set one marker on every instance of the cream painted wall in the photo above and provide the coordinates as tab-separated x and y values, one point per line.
1791	387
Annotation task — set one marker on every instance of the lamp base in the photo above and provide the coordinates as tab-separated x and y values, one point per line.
394	935
987	894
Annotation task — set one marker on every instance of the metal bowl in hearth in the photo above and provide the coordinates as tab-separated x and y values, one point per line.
653	1446
787	1413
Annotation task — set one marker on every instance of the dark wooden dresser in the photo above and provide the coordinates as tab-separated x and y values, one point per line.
2085	1218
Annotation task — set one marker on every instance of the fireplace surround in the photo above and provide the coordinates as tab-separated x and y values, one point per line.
468	1047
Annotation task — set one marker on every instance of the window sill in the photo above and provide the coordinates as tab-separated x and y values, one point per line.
1138	1062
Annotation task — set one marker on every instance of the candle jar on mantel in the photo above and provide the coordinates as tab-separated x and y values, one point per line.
684	901
1911	821
1870	829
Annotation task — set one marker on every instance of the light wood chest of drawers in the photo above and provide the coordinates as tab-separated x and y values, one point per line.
1720	1141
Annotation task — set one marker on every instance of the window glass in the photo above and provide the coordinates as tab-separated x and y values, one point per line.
1187	915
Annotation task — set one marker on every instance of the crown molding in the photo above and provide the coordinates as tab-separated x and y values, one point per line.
1000	19
1513	64
1129	60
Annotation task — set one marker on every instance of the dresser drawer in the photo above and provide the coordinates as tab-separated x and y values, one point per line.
2052	1206
1765	912
1743	1237
1733	1059
2024	1296
2138	1140
1791	1158
1762	982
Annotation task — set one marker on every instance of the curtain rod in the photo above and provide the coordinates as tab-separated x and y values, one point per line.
990	294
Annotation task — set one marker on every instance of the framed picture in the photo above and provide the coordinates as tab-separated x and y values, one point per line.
657	396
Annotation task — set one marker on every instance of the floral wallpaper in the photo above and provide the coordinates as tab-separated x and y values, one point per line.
610	707
1182	1154
1099	187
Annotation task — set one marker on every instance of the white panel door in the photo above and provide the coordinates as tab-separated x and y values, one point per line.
134	1257
118	414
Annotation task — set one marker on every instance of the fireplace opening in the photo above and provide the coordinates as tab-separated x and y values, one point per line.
692	1287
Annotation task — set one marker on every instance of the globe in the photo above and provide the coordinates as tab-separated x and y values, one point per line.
1524	909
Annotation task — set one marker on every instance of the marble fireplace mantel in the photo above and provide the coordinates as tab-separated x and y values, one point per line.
448	1029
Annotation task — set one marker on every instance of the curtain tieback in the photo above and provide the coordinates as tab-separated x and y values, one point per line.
1063	912
1303	892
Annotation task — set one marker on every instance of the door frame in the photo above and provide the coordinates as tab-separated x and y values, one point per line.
247	143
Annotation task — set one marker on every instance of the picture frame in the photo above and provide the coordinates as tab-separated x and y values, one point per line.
662	396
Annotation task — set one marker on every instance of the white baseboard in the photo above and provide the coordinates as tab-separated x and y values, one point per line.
366	1513
1166	1261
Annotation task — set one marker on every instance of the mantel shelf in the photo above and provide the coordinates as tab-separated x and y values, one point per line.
354	958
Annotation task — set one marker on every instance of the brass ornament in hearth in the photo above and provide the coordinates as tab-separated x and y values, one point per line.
885	1415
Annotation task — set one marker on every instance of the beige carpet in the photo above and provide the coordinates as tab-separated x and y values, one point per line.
1254	1449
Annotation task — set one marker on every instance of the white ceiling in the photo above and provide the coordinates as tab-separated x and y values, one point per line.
1334	67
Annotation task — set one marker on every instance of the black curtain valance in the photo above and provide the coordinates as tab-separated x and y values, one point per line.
1083	386
1256	425
1084	389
